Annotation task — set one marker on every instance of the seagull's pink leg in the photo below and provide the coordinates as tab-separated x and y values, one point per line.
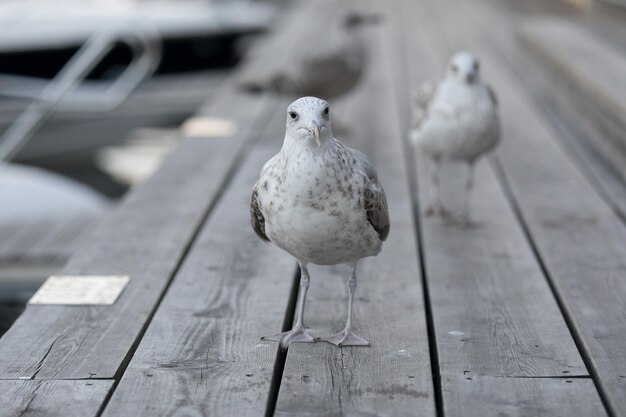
297	334
435	207
346	337
469	184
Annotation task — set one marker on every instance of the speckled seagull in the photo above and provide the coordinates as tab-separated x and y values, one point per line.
455	120
321	202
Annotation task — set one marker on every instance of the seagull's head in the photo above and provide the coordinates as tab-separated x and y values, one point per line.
464	66
308	119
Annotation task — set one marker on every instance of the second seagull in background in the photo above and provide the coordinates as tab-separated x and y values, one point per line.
456	119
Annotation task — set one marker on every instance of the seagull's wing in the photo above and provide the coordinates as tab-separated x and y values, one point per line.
492	95
423	98
374	196
256	217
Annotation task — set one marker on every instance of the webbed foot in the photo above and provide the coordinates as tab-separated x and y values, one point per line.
436	210
345	338
295	335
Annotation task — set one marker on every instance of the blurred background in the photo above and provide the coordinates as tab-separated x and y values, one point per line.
91	97
92	94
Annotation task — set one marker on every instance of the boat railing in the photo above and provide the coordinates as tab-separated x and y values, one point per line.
64	94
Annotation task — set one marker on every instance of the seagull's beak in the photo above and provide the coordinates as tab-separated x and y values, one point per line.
314	129
471	77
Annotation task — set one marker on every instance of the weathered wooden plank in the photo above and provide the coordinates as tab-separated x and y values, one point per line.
202	352
52	398
587	129
576	134
580	240
393	375
575	53
520	397
582	244
493	311
144	238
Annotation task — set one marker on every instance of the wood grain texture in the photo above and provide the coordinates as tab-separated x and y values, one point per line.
583	246
202	353
493	310
393	375
580	240
519	397
145	237
52	398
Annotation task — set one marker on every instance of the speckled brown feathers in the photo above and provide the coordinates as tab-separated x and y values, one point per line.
377	211
256	217
375	201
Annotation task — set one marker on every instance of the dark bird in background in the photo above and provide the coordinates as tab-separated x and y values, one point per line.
328	74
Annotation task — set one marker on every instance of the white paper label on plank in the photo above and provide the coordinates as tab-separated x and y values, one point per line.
209	127
80	290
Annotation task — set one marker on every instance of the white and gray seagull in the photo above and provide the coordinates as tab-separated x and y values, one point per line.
321	202
456	119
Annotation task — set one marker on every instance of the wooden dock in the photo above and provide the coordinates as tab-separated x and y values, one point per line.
521	314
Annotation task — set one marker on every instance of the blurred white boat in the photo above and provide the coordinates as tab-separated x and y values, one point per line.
199	43
61	98
37	24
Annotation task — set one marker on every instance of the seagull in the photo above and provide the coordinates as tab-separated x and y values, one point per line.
455	120
329	74
321	202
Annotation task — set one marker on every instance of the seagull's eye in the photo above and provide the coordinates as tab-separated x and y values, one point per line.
326	112
293	115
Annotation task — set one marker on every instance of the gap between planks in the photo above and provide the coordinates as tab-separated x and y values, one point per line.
524	377
399	54
593	356
582	345
122	368
344	384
